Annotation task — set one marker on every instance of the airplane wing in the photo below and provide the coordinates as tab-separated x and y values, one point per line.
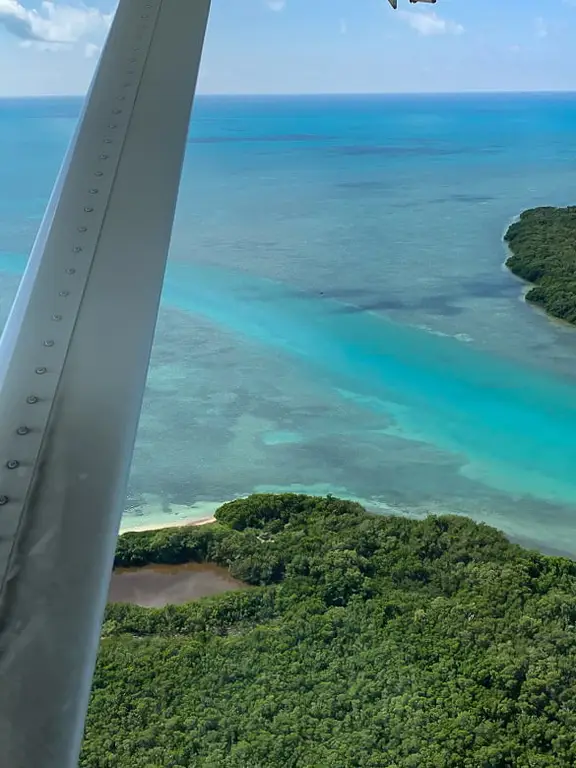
394	3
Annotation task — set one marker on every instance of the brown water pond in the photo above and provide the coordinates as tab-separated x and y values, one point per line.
155	586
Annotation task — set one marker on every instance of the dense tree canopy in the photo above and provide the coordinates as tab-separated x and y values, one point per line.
543	245
364	641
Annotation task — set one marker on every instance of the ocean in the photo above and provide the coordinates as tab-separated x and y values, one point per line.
336	316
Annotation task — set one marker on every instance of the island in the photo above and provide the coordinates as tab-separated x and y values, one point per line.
359	640
543	252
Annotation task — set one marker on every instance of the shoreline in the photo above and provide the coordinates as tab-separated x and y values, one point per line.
528	284
379	508
161	526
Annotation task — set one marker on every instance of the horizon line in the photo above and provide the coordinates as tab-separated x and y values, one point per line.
317	94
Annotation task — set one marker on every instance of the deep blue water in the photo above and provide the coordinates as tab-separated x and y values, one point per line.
336	316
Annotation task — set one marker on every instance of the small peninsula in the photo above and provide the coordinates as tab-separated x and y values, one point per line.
543	252
362	640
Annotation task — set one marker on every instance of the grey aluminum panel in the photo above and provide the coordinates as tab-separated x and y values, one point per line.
73	364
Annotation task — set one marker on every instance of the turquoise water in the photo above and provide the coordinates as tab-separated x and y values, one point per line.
336	317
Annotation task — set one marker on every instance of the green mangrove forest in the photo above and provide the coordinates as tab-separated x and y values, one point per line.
363	641
543	252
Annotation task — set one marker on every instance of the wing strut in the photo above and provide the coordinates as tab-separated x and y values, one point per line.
73	362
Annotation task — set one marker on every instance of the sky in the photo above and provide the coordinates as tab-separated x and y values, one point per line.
314	46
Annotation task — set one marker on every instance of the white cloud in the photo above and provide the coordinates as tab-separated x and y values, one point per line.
91	50
53	24
429	23
276	5
541	27
47	47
